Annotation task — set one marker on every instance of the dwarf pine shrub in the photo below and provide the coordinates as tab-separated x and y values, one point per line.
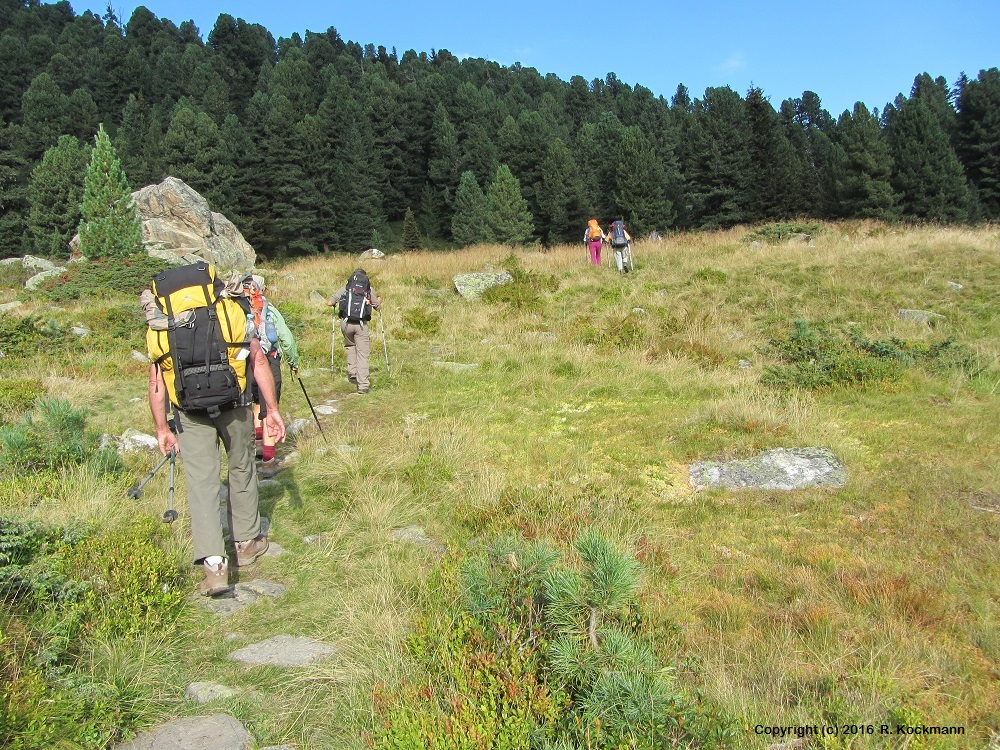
814	357
52	437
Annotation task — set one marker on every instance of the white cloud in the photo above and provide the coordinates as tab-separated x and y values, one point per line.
734	62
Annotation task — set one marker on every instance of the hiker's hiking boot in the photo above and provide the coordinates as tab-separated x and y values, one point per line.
248	552
216	579
352	380
270	469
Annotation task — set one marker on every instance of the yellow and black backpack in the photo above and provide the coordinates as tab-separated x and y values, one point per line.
202	345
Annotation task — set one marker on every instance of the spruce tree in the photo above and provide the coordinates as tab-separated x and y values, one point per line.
978	137
411	232
718	170
928	175
507	214
639	187
468	223
772	161
130	138
110	227
864	190
55	193
560	199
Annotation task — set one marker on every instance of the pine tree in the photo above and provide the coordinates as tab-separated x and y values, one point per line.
864	189
928	175
772	161
507	214
110	227
192	153
411	232
14	173
43	109
561	196
978	137
718	168
468	223
639	188
807	126
129	140
55	194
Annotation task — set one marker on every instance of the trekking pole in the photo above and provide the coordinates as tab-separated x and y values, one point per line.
135	492
385	349
333	348
170	515
309	401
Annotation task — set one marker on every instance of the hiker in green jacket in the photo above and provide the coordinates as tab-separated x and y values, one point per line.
278	344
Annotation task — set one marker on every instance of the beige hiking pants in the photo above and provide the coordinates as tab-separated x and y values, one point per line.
358	345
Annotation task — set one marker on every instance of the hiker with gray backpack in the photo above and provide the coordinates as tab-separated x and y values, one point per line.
621	244
354	302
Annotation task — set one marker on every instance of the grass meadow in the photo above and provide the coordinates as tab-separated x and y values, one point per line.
872	605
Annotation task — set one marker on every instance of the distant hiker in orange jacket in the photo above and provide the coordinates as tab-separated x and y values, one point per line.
593	238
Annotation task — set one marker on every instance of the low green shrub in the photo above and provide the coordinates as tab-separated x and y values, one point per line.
710	276
59	589
814	357
53	437
780	232
418	322
525	290
17	395
24	337
132	586
102	278
112	326
13	275
542	654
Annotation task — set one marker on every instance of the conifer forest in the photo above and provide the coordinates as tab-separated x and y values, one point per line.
313	143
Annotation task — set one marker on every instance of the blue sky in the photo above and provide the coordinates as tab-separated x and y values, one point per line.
867	50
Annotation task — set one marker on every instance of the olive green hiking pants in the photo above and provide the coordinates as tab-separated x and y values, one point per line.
200	438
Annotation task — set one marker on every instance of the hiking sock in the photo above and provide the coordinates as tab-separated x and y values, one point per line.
214	560
259	432
268	453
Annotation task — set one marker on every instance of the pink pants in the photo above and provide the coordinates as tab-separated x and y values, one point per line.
595	252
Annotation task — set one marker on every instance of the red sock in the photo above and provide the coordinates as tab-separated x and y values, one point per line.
268	452
259	432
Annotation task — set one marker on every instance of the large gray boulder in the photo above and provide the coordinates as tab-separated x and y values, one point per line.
472	285
177	223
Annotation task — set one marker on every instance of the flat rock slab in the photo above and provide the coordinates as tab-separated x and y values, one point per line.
284	651
217	732
326	411
298	426
778	469
920	316
39	278
472	285
456	366
206	692
416	535
240	596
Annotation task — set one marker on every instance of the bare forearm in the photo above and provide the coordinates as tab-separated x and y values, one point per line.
263	378
157	399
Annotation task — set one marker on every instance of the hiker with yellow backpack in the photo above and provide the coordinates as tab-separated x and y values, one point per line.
593	238
206	353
